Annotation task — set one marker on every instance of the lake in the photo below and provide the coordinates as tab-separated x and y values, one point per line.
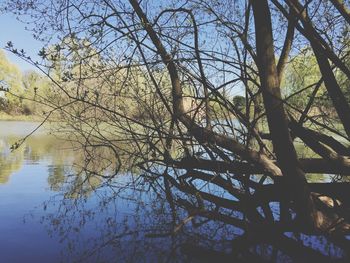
52	212
49	215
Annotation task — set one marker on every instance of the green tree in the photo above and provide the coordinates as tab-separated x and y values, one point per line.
10	78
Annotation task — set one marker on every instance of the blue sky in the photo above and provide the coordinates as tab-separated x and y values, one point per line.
13	30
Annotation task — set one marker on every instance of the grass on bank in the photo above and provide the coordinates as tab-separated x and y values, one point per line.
7	117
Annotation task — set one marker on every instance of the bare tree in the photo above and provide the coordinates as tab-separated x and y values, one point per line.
124	71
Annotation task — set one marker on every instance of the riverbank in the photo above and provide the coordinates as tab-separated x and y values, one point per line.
7	117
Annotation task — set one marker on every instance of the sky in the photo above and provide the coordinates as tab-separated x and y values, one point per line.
14	31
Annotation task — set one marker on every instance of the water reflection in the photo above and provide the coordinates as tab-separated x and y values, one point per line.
87	213
140	224
34	150
8	163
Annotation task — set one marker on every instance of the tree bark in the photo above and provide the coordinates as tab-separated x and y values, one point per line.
316	165
276	117
286	49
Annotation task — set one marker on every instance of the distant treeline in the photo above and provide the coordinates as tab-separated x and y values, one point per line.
20	90
26	93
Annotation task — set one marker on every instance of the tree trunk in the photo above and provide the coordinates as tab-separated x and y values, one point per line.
296	183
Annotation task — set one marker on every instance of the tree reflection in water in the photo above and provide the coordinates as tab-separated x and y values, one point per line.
164	216
157	213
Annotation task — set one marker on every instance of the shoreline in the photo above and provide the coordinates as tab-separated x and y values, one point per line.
7	117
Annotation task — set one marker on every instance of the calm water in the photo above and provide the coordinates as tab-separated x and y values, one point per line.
24	187
39	222
50	212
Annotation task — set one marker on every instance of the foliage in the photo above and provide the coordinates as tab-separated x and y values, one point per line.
23	93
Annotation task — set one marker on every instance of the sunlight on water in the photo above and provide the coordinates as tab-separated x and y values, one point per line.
52	212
